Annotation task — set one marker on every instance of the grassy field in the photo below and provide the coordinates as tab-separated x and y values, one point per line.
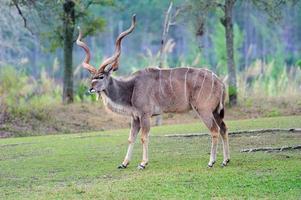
83	166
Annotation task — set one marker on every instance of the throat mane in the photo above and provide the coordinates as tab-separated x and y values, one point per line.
118	108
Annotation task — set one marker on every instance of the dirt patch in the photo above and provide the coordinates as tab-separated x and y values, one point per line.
5	134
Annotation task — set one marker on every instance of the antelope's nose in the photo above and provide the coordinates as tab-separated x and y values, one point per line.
92	90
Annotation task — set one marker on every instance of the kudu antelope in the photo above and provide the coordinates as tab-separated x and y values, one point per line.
153	91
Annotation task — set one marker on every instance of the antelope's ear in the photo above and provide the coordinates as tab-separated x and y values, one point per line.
108	69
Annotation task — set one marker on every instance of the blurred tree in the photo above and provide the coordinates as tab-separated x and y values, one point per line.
55	21
204	7
253	21
69	22
227	21
271	8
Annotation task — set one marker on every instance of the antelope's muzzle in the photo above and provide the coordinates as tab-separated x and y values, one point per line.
92	90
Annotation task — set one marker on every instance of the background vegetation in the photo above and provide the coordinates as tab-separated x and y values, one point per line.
37	70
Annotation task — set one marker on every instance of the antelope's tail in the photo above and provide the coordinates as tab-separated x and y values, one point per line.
221	106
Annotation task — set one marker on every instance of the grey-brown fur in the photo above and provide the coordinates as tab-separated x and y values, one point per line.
165	93
154	91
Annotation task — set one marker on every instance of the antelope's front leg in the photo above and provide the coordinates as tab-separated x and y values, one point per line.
145	127
135	127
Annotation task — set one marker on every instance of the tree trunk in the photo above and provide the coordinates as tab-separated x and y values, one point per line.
200	29
230	52
68	20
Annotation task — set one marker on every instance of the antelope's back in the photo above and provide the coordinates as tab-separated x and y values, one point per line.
174	90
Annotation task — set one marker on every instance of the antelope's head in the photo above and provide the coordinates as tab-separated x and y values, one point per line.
100	76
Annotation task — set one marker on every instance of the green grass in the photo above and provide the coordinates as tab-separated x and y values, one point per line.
83	166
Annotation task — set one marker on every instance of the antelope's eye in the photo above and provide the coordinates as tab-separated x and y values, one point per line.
99	77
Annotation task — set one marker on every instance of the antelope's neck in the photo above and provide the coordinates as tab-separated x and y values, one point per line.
117	96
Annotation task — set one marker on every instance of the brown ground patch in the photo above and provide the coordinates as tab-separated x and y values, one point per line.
81	117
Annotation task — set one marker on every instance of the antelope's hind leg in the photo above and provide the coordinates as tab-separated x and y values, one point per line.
135	127
209	120
225	139
214	130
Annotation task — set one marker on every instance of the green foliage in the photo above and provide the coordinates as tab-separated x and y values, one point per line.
140	49
81	91
266	80
24	96
232	90
48	19
219	42
274	113
82	94
273	8
298	64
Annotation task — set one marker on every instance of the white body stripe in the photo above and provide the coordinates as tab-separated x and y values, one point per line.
196	79
170	83
185	84
211	90
160	84
222	86
201	86
214	75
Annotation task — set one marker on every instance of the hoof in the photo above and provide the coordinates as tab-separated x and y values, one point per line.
211	164
122	166
141	167
225	163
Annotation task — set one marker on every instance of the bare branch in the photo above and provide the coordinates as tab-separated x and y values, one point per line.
178	11
23	17
236	133
269	149
172	23
167	17
166	25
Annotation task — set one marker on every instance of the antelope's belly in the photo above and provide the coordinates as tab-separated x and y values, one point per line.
174	105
